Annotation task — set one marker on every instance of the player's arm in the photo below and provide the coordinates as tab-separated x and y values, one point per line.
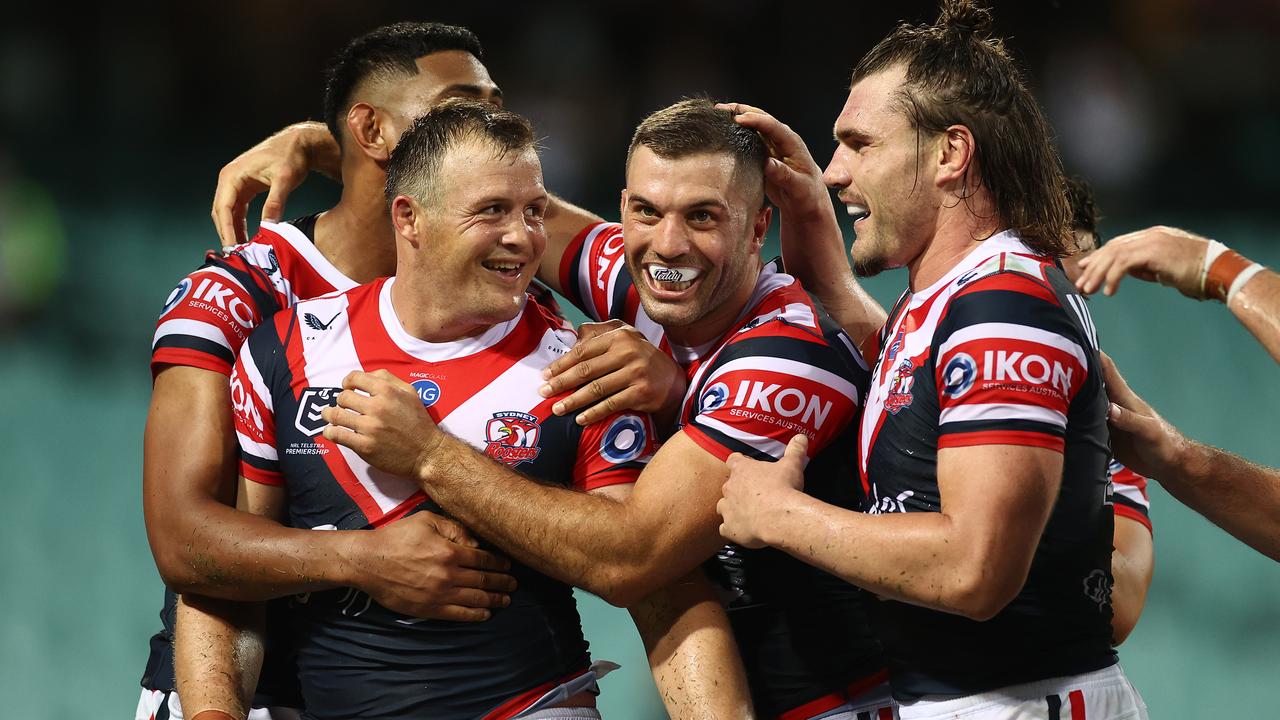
1132	564
1236	495
686	634
970	559
1196	267
217	644
427	565
621	551
812	245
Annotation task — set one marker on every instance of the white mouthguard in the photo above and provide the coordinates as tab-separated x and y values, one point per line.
661	273
857	210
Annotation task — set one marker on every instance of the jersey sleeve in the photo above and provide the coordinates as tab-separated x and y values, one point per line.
1129	494
614	451
208	316
768	384
1007	363
254	418
591	269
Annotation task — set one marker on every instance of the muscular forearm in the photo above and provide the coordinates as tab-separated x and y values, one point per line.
919	558
596	543
813	250
1257	307
691	651
1233	493
217	654
215	550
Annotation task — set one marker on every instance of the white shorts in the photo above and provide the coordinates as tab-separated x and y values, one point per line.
1100	695
164	705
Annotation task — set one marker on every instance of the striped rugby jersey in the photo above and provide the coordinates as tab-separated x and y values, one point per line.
356	658
1000	351
784	368
205	320
1129	494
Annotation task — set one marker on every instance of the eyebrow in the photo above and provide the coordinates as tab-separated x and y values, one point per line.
848	134
641	200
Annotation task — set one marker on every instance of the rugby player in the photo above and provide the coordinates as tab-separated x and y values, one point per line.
983	443
455	321
426	565
764	363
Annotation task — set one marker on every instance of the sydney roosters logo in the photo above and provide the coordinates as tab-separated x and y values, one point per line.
899	395
512	437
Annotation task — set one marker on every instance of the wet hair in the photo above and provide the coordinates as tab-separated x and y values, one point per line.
694	126
957	74
416	161
388	52
1084	209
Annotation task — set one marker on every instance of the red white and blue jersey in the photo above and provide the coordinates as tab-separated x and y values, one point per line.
1129	494
356	658
784	367
1000	351
210	313
205	320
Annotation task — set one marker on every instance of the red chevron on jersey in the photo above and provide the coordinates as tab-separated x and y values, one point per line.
481	389
212	310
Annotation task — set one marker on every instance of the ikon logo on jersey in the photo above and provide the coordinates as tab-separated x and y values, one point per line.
1020	367
775	399
959	374
512	437
243	406
713	398
224	297
314	399
177	295
625	440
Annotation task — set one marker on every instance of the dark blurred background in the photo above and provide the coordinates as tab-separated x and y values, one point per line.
114	120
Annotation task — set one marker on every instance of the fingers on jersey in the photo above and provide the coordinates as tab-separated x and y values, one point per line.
593	340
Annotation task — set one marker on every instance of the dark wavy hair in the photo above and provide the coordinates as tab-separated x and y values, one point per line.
694	126
390	51
957	74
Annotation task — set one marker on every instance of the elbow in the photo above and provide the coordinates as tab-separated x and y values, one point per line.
621	586
175	571
980	596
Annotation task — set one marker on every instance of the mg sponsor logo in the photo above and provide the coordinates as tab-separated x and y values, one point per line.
428	391
783	401
1020	367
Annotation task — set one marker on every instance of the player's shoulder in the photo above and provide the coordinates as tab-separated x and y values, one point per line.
1008	277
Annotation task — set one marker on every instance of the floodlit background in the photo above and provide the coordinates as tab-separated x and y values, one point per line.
114	121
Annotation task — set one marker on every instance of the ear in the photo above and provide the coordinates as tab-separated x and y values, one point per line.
365	126
404	216
956	157
760	227
622	204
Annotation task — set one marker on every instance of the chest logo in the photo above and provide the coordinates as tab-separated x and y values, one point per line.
899	395
313	401
511	437
428	391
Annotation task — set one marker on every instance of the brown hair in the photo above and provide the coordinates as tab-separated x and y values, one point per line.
694	126
956	74
415	163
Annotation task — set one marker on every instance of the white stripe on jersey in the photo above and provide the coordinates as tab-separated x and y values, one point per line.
303	246
195	328
439	352
515	389
771	447
328	356
1002	411
1086	319
794	313
254	376
652	331
1012	331
253	447
259	254
586	270
793	368
1131	492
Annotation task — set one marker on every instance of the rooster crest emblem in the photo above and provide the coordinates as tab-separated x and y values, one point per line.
512	437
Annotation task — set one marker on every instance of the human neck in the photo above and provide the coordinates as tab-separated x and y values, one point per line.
356	234
717	322
429	315
957	235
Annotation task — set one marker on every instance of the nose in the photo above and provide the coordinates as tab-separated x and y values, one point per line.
836	176
671	240
525	234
